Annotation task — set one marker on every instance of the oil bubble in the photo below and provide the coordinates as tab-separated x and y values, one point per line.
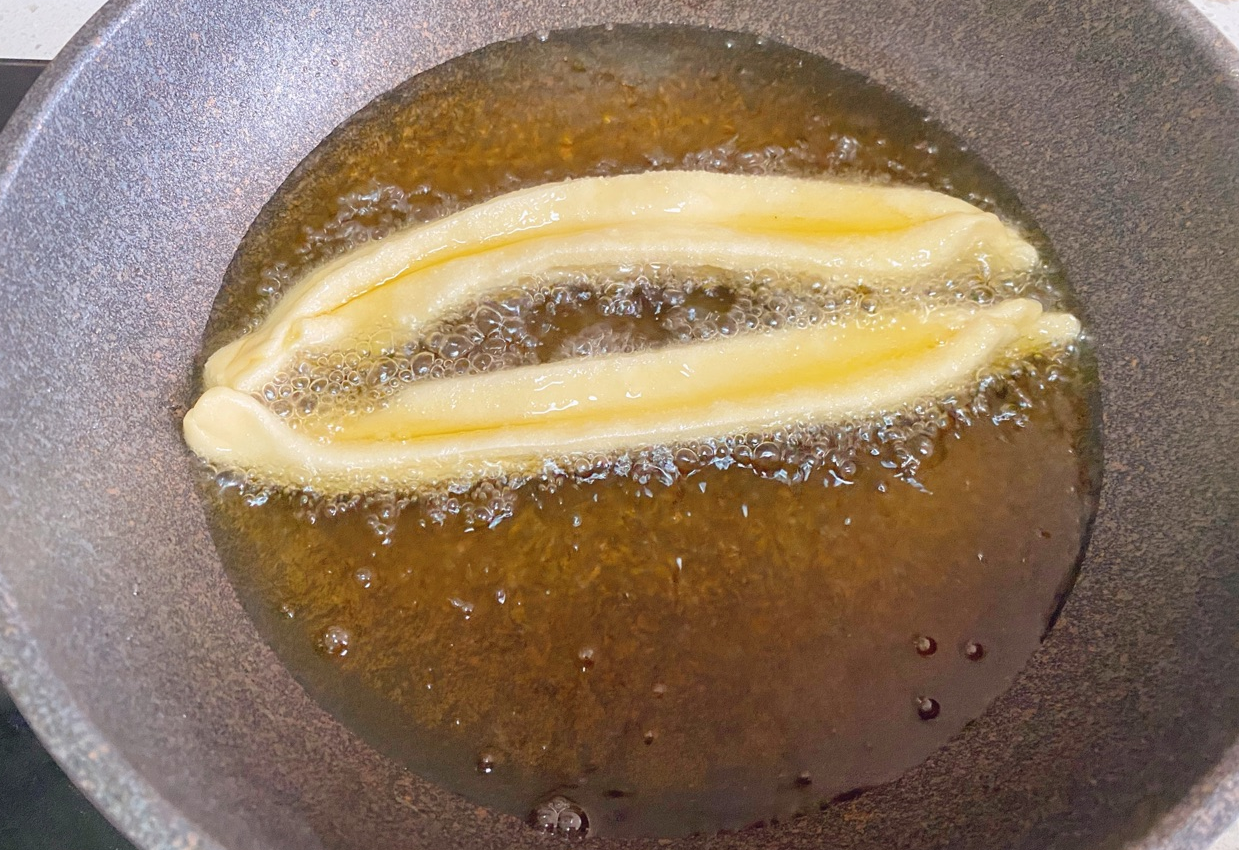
560	816
767	458
686	460
336	640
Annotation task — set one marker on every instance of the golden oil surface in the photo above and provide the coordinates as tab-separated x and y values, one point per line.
688	638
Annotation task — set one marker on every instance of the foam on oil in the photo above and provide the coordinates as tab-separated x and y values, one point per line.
689	637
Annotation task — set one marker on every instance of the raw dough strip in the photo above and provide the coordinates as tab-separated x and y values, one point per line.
849	232
516	422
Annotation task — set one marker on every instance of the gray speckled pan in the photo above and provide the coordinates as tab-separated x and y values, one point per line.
138	162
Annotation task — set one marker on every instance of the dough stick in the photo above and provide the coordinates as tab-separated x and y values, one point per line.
517	421
840	231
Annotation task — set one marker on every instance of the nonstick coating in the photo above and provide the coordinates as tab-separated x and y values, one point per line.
140	159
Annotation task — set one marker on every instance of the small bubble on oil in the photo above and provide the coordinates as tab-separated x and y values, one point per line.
586	658
974	651
767	458
336	641
925	646
927	708
560	816
230	480
486	764
686	460
805	779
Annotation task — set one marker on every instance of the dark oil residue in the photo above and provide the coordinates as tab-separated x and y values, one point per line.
693	638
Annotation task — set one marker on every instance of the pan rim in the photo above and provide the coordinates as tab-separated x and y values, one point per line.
119	789
114	786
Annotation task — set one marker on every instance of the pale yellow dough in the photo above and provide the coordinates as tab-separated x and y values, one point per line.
513	422
520	421
841	231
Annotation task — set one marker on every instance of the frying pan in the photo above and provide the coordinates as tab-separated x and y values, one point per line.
136	165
